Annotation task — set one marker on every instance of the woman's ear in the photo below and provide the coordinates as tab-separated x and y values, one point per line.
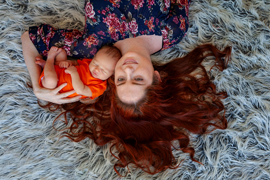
156	73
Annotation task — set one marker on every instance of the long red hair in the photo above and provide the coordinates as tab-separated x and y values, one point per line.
184	102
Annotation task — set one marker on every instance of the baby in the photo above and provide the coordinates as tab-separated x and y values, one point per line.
87	77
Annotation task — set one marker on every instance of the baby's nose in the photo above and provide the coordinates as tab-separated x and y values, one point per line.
96	70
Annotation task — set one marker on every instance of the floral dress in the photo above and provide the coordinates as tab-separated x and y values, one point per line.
107	21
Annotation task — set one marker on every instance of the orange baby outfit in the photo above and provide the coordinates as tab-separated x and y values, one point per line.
97	86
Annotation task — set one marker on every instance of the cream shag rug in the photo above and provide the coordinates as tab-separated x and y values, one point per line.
31	149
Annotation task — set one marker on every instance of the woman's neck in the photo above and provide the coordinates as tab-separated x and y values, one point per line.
144	45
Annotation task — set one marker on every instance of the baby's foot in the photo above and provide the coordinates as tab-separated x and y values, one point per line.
40	62
53	52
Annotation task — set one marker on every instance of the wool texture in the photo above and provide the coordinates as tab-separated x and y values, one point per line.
31	149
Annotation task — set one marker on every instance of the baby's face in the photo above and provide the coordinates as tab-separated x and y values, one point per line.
102	66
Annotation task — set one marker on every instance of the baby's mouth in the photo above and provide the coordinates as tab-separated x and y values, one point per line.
94	74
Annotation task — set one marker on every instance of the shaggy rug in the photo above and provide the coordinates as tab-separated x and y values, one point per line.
31	149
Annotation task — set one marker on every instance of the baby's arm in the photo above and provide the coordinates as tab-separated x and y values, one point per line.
77	83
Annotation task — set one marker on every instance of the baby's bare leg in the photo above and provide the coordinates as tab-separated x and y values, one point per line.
62	56
50	77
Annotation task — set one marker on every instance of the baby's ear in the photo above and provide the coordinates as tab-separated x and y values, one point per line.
156	73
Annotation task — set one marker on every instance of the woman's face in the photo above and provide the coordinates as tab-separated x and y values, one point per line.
133	74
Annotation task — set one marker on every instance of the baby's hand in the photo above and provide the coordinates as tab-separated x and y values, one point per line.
70	70
64	64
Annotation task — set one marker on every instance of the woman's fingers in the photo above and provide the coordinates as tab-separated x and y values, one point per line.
69	100
55	97
56	90
62	97
66	94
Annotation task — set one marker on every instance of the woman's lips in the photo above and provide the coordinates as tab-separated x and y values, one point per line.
130	61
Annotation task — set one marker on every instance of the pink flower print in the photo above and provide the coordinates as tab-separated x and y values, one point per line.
183	23
76	34
137	3
107	9
103	12
150	24
157	21
151	2
94	51
123	17
114	35
115	3
67	49
175	20
112	21
133	26
68	39
164	34
48	37
167	3
45	53
113	24
166	43
101	33
89	10
92	39
123	28
184	2
40	31
75	43
186	9
32	37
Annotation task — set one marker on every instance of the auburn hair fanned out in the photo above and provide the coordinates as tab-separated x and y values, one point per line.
183	102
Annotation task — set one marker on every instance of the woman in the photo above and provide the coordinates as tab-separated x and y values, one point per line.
146	107
154	25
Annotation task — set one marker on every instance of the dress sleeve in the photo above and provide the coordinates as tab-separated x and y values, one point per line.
77	44
177	23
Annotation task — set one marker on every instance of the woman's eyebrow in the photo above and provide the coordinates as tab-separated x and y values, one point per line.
141	84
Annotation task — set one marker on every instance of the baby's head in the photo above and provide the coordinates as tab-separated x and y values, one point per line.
103	64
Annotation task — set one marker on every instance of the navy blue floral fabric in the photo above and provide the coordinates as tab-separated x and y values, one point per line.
108	21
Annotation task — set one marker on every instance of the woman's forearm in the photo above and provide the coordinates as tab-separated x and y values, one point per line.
30	53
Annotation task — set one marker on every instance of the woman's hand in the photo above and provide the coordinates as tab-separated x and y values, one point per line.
53	95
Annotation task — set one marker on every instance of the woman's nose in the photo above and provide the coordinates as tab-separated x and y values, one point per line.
129	69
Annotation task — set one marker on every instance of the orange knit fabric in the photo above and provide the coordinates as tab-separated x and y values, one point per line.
97	86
